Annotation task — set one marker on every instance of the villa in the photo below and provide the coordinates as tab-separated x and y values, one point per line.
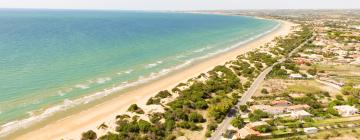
300	114
298	107
295	76
245	132
280	103
346	110
256	124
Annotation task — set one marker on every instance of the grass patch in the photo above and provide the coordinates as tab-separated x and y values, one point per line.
301	88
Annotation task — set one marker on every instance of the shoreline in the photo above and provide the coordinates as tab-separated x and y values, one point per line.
73	125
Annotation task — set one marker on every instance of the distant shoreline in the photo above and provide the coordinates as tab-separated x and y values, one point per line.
73	125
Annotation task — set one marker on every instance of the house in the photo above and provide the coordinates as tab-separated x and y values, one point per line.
300	61
256	124
259	107
315	57
280	103
297	107
346	110
295	76
300	114
310	130
245	132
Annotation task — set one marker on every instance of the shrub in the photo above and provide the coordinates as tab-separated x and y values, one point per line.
208	134
196	117
88	135
136	109
257	115
264	91
237	122
212	126
263	128
184	124
153	100
312	71
170	137
243	108
163	94
332	111
201	104
169	124
339	97
144	126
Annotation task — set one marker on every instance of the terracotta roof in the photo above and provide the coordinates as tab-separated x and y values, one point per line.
244	132
280	102
298	107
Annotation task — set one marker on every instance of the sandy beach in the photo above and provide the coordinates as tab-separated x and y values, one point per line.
72	126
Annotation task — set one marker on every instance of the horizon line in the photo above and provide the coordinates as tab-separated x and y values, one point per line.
99	9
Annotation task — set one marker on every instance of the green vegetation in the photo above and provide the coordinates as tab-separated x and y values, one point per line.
349	90
303	88
264	91
263	128
136	109
88	135
243	108
257	115
238	122
279	70
211	99
163	94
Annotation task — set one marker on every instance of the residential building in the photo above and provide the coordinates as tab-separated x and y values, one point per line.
245	132
280	103
256	124
310	130
300	114
295	76
297	107
346	110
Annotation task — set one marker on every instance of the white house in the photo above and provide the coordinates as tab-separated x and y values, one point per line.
310	130
346	110
300	114
295	76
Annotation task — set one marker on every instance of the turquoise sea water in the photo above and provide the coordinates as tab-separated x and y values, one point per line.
51	60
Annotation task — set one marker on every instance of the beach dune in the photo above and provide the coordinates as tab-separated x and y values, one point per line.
72	126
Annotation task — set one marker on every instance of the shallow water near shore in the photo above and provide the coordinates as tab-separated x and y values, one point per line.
52	60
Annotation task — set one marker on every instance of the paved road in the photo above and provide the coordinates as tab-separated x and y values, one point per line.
247	95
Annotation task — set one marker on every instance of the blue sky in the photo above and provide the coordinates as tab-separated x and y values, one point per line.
181	4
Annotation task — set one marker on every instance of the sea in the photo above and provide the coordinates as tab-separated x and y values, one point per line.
54	60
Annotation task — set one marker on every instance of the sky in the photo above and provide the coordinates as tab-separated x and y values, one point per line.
181	4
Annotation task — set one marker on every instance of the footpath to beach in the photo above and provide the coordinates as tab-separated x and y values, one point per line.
72	126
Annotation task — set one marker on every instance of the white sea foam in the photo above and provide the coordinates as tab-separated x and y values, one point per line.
18	124
82	86
202	49
102	80
153	64
129	71
180	56
60	93
30	113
